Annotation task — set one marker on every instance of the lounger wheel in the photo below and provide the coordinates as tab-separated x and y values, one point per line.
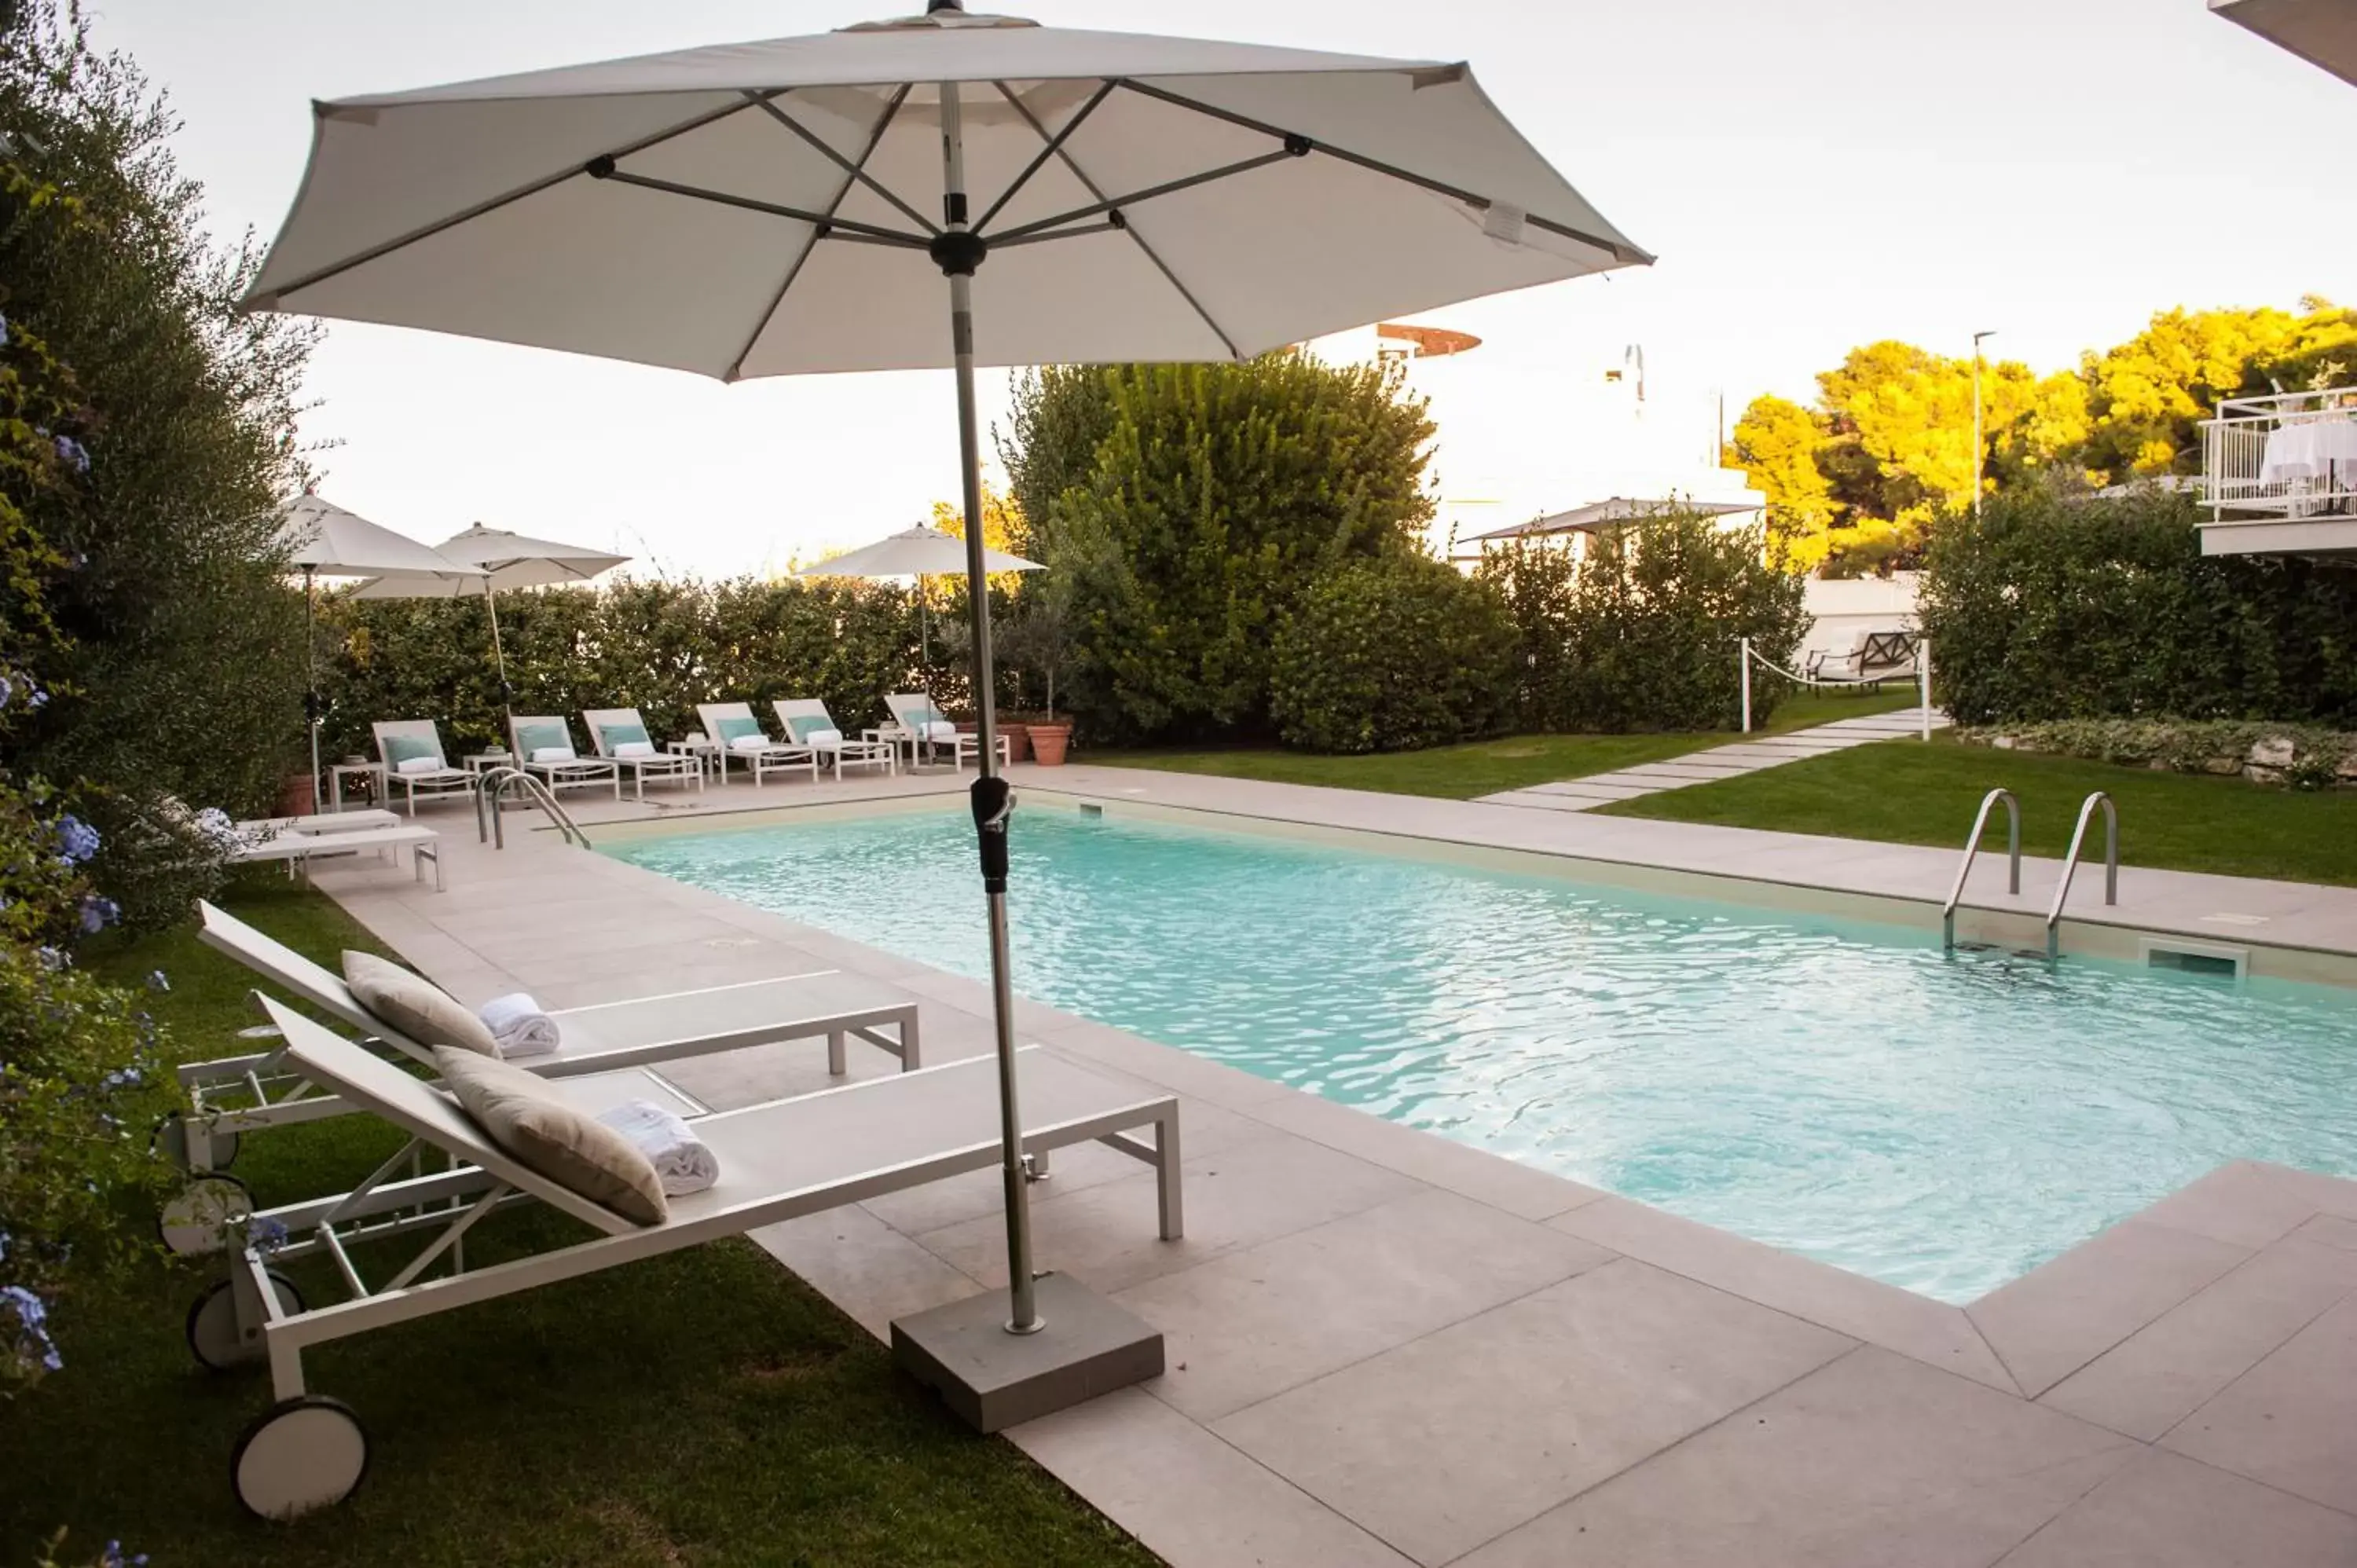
170	1140
300	1455
213	1337
198	1221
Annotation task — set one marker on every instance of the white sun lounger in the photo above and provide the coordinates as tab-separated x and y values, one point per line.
807	723
359	817
235	1095
423	737
769	757
777	1162
296	850
542	744
921	724
678	767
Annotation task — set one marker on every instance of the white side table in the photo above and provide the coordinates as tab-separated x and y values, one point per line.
337	774
483	761
703	748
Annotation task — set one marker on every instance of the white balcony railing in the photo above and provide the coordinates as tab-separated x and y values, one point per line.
2293	454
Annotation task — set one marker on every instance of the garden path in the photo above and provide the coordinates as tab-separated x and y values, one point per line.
1731	761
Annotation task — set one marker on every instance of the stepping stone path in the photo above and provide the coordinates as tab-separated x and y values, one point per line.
1733	761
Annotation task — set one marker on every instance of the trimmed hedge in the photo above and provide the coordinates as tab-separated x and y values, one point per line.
1393	654
2047	607
1640	631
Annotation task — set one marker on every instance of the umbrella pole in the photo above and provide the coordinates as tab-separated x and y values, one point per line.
994	802
311	679
499	658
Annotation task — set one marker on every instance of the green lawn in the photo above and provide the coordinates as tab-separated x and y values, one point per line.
705	1408
1907	792
1461	772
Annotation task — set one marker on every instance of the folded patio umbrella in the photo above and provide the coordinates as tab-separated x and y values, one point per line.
920	552
326	540
503	560
944	190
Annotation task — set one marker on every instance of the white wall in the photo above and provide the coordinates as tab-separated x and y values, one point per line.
1843	609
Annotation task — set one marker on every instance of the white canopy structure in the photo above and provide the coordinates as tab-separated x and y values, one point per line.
944	190
920	551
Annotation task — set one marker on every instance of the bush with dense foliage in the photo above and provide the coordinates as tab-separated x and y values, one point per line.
1638	630
180	670
2052	607
2304	756
1393	654
1190	507
659	647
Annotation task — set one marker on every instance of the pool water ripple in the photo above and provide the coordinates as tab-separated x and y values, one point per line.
1840	1088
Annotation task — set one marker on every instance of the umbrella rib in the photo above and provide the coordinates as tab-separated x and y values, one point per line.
1055	145
1613	248
1093	189
1111	225
483	209
857	171
802	258
819	221
1167	187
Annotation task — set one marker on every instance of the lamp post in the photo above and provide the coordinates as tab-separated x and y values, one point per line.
1979	449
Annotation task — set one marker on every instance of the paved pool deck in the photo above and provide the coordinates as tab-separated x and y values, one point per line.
1387	1347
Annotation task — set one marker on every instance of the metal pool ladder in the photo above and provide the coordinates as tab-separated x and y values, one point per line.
1973	848
2071	865
494	787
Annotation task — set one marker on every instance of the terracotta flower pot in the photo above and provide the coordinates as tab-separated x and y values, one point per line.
1019	741
299	795
1048	743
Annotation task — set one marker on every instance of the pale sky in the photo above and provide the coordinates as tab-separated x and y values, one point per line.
1813	173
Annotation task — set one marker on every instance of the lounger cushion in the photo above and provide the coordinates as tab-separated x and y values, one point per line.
533	739
516	1111
616	737
403	748
732	730
415	1006
801	727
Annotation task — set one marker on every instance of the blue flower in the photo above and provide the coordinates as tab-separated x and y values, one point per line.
77	840
112	1557
158	980
98	913
7	691
52	959
33	1341
71	454
264	1234
36	698
3	332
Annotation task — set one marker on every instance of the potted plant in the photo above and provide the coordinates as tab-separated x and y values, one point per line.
1038	641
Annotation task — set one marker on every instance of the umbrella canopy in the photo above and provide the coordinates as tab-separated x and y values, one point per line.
920	552
715	209
514	561
937	190
324	538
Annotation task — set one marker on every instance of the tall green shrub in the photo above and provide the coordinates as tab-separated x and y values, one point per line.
1190	506
1640	630
181	671
2047	608
1393	654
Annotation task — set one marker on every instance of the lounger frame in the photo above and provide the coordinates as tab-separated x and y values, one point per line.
576	772
443	781
261	1091
777	756
483	1179
678	767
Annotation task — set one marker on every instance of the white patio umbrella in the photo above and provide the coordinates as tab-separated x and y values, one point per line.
326	540
504	560
943	191
920	552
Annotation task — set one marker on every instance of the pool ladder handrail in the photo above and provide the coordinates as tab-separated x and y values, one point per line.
2070	865
1973	848
492	789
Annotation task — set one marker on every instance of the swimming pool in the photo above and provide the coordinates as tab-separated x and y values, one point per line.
1840	1088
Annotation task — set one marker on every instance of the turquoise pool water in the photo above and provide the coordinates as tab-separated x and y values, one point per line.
1837	1087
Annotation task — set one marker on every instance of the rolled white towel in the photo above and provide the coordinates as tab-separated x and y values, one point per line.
418	765
824	739
941	729
554	754
634	748
519	1025
750	743
684	1162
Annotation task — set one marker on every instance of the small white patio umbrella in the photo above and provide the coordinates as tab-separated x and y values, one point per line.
504	560
326	540
920	552
944	190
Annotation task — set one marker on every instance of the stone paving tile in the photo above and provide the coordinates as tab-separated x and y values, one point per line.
2163	1372
2329	1231
1875	1461
863	1266
2291	1420
2159	1511
1533	801
1194	1500
1501	1183
2238	1203
1930	1331
2063	1314
1105	1235
1257	1321
1452	1439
